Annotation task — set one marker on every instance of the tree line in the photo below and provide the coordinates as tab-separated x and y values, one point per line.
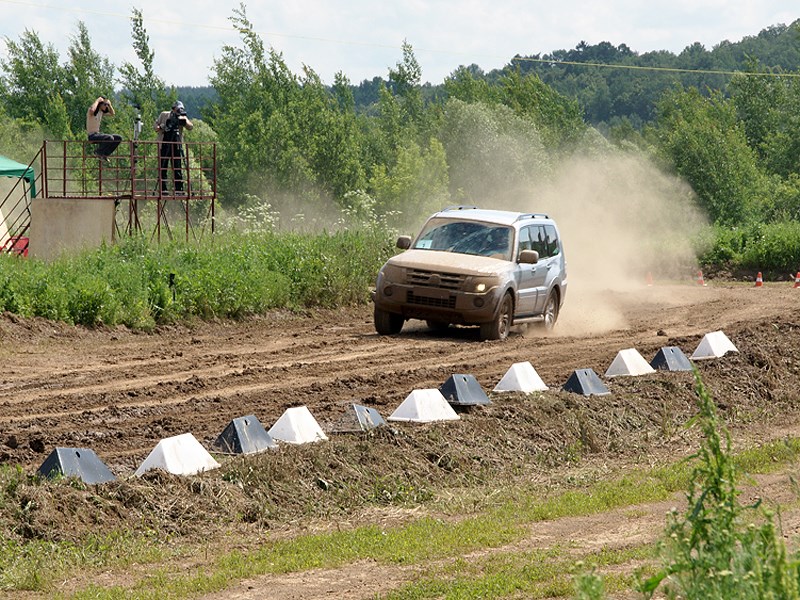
290	141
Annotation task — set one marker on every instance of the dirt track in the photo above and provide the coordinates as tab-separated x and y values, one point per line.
119	392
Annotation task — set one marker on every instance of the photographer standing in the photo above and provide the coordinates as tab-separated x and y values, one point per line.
170	125
106	143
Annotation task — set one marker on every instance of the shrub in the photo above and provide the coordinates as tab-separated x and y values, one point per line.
768	247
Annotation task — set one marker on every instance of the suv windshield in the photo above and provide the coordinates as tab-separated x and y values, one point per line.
466	237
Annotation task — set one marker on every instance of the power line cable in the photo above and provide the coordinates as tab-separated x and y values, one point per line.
649	68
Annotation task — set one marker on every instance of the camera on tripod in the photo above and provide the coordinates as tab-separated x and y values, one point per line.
174	122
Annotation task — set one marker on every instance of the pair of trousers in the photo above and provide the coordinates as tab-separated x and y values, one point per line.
105	143
171	152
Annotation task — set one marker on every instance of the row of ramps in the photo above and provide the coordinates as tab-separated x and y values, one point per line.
184	455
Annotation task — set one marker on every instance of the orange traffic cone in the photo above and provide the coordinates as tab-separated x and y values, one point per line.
759	280
700	280
797	280
650	279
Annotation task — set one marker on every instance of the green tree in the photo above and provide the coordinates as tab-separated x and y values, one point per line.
284	135
405	80
87	76
57	119
756	97
707	145
32	74
415	185
19	139
492	152
469	85
326	126
142	88
769	108
559	118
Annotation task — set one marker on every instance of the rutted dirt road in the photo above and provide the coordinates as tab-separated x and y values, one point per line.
119	392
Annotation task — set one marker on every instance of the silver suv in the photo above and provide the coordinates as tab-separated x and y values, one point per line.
472	266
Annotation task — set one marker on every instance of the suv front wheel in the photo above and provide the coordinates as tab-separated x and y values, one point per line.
387	323
498	328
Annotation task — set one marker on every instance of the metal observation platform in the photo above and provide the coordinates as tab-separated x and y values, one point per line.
153	196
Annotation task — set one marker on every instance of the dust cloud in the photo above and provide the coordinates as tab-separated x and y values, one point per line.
620	218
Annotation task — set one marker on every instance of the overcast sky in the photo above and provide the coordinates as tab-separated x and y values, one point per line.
363	38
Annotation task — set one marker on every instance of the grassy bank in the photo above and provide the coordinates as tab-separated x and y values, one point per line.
773	248
140	285
36	565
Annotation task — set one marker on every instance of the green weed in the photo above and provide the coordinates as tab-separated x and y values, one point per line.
141	285
773	248
717	548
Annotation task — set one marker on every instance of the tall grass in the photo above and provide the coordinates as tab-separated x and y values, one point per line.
140	285
773	248
717	548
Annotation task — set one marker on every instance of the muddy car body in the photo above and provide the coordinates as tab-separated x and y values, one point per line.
472	266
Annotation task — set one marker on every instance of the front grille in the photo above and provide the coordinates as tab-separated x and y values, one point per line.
448	302
447	281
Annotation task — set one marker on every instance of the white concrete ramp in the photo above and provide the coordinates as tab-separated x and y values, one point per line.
713	345
424	406
297	426
179	455
629	362
521	377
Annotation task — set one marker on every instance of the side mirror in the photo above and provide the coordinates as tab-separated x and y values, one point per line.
404	242
529	257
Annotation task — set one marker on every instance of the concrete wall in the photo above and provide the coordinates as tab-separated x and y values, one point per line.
61	225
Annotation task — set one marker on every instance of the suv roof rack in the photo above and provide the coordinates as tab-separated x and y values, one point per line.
533	216
460	207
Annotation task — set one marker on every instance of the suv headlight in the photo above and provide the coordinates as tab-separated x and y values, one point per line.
479	285
393	274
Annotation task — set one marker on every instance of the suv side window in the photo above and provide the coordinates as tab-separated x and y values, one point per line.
538	240
524	239
551	240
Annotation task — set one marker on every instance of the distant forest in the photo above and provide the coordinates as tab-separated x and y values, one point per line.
609	94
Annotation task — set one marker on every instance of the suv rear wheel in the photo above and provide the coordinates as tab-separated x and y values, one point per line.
550	313
498	328
387	323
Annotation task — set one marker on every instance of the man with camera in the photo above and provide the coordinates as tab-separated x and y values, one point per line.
105	143
170	125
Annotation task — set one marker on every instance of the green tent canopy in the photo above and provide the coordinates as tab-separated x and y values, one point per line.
10	168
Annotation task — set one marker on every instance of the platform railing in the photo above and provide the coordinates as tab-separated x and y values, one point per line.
15	210
159	187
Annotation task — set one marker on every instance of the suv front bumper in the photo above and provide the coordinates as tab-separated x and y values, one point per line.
427	303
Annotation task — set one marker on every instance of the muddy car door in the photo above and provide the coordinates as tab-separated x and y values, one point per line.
530	277
549	262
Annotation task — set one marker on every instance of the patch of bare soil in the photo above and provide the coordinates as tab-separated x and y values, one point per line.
119	392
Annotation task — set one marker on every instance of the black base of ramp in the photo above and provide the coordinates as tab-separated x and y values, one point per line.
358	418
244	435
586	382
76	462
464	390
671	358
